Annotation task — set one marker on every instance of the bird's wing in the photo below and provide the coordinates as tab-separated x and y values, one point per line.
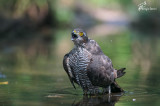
100	70
67	68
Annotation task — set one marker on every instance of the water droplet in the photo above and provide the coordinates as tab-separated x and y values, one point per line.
134	100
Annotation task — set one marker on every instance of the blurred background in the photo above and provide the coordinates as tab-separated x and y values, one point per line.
35	35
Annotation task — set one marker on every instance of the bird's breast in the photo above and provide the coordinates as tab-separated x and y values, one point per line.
80	58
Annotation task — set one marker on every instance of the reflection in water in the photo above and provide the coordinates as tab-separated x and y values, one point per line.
107	100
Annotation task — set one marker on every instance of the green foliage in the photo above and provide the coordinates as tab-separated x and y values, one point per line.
107	3
117	48
64	15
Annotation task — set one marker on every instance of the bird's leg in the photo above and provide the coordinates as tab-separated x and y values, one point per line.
95	90
85	92
109	89
91	91
109	93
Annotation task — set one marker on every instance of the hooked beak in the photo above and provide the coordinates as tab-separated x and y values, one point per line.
74	36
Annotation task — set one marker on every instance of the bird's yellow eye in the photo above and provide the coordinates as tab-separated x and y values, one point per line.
74	31
81	33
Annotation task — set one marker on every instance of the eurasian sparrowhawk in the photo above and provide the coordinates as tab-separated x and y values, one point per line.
89	67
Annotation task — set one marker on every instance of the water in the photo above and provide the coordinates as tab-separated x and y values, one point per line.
32	73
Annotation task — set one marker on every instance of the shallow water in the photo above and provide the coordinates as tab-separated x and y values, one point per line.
31	76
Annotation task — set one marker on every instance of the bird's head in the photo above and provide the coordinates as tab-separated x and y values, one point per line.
79	36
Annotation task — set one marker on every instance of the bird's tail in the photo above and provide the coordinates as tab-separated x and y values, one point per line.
115	88
120	72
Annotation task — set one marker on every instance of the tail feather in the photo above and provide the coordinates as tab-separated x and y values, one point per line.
115	88
120	72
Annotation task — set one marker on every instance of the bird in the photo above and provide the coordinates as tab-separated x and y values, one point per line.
87	66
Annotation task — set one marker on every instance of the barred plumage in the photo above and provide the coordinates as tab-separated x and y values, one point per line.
78	61
87	66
